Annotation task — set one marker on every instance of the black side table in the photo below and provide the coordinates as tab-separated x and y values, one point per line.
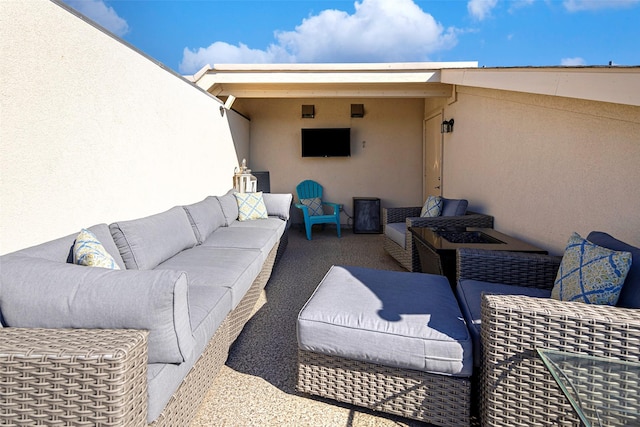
366	215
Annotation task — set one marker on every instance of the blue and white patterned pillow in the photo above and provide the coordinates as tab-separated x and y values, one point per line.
88	251
590	273
314	204
432	207
251	206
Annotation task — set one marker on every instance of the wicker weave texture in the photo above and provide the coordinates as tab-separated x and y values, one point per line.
184	403
409	257
243	311
437	399
517	389
510	268
60	377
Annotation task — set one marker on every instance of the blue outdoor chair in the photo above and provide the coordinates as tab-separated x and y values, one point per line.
310	198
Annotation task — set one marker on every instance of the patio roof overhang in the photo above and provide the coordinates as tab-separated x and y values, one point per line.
393	80
618	85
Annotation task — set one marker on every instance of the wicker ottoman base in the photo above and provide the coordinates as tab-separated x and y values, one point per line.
436	399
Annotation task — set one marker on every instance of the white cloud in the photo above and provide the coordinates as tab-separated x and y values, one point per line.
570	62
578	5
378	31
481	9
102	14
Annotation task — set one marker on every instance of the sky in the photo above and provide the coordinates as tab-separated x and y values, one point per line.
186	35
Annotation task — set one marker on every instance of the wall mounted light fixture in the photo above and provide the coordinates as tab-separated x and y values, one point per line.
447	126
357	110
308	111
227	104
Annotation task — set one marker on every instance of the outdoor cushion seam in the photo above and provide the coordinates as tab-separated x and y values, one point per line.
379	332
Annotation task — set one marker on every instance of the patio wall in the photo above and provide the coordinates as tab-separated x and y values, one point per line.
386	148
87	136
546	166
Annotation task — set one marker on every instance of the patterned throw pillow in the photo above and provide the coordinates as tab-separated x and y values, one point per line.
87	250
251	206
314	205
432	207
590	273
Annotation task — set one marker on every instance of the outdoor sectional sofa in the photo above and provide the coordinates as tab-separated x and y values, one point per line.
139	345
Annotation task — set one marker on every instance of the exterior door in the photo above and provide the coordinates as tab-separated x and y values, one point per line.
432	161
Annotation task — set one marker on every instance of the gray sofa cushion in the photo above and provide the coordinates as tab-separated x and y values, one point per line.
272	223
146	242
398	319
61	249
262	239
397	231
231	268
205	217
38	293
454	207
630	294
469	294
278	204
229	205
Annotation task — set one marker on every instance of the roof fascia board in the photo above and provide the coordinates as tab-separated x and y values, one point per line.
319	78
618	85
334	91
357	67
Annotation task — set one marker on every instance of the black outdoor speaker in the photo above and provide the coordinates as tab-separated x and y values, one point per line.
263	181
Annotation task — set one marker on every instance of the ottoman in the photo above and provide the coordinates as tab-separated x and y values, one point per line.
390	341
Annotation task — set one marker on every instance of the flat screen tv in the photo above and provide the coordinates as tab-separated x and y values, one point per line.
326	142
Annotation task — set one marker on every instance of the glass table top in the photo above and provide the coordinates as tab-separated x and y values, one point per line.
603	391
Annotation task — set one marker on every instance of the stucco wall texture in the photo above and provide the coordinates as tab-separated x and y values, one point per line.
92	131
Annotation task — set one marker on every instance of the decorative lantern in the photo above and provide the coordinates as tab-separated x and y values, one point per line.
243	181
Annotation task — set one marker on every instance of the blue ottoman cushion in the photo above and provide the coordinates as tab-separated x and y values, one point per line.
398	319
469	293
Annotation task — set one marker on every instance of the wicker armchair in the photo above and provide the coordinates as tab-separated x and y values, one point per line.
407	256
514	385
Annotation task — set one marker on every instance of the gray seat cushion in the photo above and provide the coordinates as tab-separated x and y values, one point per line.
397	319
469	294
396	231
272	223
261	239
231	268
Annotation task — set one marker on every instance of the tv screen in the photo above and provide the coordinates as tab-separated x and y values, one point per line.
326	142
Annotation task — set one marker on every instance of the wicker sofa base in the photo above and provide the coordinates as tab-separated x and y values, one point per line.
243	312
437	399
184	403
80	377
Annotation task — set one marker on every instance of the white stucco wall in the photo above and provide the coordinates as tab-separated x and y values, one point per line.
92	131
546	166
387	165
